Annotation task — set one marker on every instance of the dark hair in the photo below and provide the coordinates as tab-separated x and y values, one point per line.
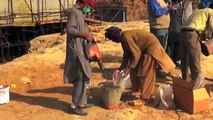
113	33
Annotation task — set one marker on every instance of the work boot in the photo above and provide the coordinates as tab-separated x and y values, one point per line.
78	111
199	82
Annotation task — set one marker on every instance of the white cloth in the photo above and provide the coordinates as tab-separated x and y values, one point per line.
165	98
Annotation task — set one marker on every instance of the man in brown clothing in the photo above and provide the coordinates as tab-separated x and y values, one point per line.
142	52
198	23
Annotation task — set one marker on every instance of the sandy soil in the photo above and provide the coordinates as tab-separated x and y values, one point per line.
41	95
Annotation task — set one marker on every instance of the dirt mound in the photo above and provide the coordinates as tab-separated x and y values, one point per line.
136	9
39	44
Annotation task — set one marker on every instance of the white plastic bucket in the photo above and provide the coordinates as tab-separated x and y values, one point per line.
4	94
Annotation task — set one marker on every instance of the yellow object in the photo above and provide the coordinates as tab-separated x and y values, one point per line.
198	20
12	86
192	101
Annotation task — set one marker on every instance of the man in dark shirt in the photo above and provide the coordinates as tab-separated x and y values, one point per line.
178	16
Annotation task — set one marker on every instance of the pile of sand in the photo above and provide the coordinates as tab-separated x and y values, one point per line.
39	44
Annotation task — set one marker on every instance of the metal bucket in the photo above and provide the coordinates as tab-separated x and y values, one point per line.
4	94
122	81
111	95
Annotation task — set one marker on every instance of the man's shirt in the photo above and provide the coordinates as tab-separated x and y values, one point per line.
200	20
155	8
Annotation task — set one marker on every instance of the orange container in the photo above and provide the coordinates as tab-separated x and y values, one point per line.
192	101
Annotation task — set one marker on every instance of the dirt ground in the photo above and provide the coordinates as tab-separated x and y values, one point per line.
40	93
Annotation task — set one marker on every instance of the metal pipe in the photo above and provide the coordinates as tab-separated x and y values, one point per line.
65	3
12	11
115	15
61	25
46	7
8	11
31	9
42	10
3	36
34	17
61	6
2	46
38	10
124	15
